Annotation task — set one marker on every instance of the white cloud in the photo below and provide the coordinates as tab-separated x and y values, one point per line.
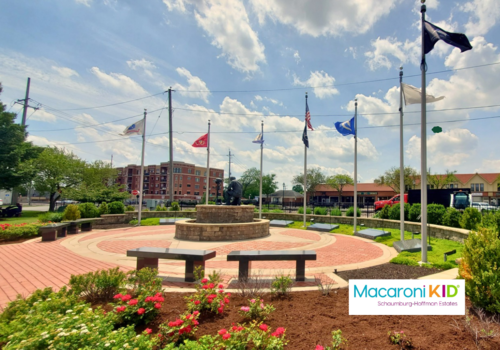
195	84
227	23
449	148
296	56
65	72
43	141
385	49
43	116
322	83
325	17
268	99
489	166
352	51
484	14
119	82
84	2
373	109
146	65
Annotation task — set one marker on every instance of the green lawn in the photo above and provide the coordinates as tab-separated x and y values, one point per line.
27	216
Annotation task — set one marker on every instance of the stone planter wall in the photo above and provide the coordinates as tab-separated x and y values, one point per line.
214	214
193	231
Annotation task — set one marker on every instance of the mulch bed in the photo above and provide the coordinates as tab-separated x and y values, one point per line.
388	272
309	319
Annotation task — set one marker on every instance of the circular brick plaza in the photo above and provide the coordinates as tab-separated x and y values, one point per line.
24	267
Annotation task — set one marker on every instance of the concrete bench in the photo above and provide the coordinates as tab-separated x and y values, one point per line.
148	257
86	225
244	257
51	232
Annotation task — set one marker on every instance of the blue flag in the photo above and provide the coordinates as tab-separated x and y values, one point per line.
346	128
432	34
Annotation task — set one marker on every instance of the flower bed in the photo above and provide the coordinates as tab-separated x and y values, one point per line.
9	232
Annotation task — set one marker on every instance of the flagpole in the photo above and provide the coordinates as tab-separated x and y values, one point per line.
305	175
401	159
207	193
141	188
261	154
423	146
355	165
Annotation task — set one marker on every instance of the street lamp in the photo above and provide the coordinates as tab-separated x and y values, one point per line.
283	201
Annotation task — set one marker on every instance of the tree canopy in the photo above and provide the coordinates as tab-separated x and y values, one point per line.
441	181
298	188
314	177
391	178
338	182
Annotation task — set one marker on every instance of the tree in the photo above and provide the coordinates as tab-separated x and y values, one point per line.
14	150
269	184
338	182
314	178
248	178
391	178
298	188
441	181
57	170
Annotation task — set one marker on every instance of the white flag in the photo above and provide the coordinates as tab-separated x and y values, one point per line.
258	139
413	95
135	129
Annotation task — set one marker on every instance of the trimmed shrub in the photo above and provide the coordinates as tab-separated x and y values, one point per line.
435	213
103	209
146	222
488	220
471	218
497	222
350	212
336	212
71	213
175	206
320	211
394	213
401	260
452	217
479	268
129	208
301	210
88	210
50	216
384	212
13	232
99	285
414	213
116	208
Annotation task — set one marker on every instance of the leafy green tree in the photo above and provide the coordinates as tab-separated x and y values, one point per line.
248	178
57	170
441	181
269	184
338	182
298	188
14	150
314	177
391	178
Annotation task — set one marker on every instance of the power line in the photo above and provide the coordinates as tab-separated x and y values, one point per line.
113	104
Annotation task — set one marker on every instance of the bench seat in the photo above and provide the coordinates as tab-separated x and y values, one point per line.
85	224
51	232
148	257
244	257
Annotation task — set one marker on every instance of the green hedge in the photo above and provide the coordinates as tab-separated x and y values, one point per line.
415	212
116	208
320	211
350	212
88	210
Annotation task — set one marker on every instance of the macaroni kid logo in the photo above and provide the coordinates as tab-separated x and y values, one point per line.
406	297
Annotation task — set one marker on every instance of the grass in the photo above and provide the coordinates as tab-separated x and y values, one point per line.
147	222
27	216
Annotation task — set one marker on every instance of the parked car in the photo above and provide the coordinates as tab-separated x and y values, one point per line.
65	202
394	200
1	201
483	206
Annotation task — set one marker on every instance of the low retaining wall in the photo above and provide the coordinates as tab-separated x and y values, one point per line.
192	231
454	234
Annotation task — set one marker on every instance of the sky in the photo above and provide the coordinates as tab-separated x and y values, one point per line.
95	65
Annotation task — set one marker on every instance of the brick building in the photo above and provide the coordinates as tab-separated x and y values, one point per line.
189	180
367	193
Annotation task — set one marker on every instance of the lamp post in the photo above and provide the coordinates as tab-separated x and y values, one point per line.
283	201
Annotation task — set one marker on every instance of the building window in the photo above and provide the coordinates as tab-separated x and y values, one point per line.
189	177
156	185
180	185
176	178
481	187
205	173
197	172
197	186
175	185
157	178
197	193
189	192
197	179
188	185
156	192
175	192
180	192
189	171
205	180
177	170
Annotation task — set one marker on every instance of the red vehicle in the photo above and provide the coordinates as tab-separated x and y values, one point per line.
390	202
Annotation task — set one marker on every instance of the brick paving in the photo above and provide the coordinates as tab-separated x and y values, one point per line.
313	236
121	247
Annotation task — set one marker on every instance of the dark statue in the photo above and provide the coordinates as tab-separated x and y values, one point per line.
234	191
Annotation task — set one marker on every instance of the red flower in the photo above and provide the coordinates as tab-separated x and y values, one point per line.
148	330
211	285
148	299
196	313
222	331
120	308
221	286
141	311
133	302
228	295
226	336
221	309
205	286
188	329
171	324
278	332
226	300
263	327
204	280
195	322
221	291
157	306
196	302
210	301
235	329
319	347
126	297
117	296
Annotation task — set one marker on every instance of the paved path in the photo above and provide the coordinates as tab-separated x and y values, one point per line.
34	264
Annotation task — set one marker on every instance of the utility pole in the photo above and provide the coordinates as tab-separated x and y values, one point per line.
230	163
25	102
171	148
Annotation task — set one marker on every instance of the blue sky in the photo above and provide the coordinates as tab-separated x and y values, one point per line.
239	62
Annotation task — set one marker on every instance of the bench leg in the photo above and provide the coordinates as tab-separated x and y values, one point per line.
87	227
300	270
62	232
152	263
72	229
49	236
190	267
243	270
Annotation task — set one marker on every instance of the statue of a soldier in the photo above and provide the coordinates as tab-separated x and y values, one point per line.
234	191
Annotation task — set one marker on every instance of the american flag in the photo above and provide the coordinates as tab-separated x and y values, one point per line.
308	117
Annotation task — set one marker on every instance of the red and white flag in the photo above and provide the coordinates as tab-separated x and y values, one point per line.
201	142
